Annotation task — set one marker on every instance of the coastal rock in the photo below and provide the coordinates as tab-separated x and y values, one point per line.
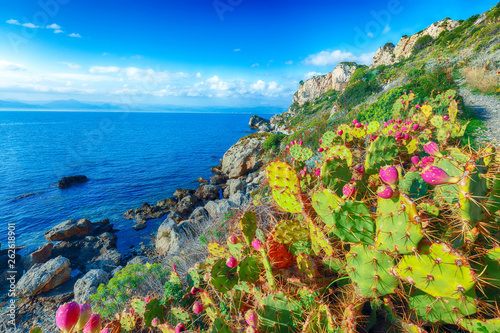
106	261
202	180
217	209
384	56
182	192
199	214
280	122
186	205
40	256
260	123
68	229
175	216
87	285
168	239
207	192
66	182
166	203
140	260
243	157
405	46
233	186
218	179
318	85
239	199
44	277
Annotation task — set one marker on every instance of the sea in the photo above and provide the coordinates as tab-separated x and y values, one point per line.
129	157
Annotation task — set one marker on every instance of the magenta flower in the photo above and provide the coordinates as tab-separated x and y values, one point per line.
340	132
385	192
67	316
251	318
417	106
320	150
85	313
155	322
360	169
93	325
389	174
195	291
446	118
437	176
233	240
415	127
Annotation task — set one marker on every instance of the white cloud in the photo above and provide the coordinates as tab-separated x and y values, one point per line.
58	31
75	35
255	65
138	74
289	62
71	65
11	67
237	50
386	29
137	57
15	22
27	25
331	58
54	26
104	70
311	74
198	75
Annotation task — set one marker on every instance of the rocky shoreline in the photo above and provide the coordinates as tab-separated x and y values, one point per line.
80	254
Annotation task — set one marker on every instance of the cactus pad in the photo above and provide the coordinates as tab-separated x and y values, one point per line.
335	174
381	152
325	202
248	224
300	153
353	223
290	231
413	185
320	320
490	263
223	278
370	270
249	269
441	273
154	309
442	309
306	266
319	241
278	314
480	326
285	186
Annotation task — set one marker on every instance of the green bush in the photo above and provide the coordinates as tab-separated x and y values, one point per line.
358	92
133	280
381	109
426	84
422	43
273	141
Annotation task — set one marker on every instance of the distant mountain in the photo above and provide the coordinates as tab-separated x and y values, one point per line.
73	104
17	105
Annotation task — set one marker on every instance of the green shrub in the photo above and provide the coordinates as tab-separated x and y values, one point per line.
422	43
430	83
133	280
358	92
381	109
273	141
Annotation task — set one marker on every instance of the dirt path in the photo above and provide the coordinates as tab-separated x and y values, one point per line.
487	108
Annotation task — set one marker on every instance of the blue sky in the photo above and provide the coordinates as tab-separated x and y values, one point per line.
210	52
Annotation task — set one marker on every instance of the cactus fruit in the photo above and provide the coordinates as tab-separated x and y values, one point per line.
385	192
85	313
285	186
335	174
223	278
349	190
441	273
436	176
198	307
67	316
278	314
353	223
231	262
370	271
442	309
389	175
382	151
300	153
93	325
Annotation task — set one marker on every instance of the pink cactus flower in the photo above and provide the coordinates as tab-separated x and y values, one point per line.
93	325
395	127
411	91
398	134
391	121
180	328
406	136
404	129
317	172
415	160
358	125
437	176
348	190
340	132
195	291
155	322
301	143
355	121
231	262
198	307
390	132
251	318
257	244
67	316
360	169
303	173
85	313
287	146
320	140
147	299
432	148
389	174
385	192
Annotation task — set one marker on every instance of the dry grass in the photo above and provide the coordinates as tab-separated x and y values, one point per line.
481	79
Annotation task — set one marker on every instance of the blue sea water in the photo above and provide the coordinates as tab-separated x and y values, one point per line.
130	158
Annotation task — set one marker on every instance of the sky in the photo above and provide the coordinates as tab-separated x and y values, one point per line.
196	52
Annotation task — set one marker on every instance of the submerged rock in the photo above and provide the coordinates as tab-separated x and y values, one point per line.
66	182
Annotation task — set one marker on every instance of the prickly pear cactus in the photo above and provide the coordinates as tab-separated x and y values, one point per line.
285	186
335	174
353	223
223	277
300	153
278	313
382	152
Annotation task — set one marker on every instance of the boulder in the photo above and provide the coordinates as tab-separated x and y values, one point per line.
140	260
66	182
259	123
243	157
186	205
217	209
207	192
168	239
166	203
175	216
68	229
44	277
199	214
233	186
40	256
182	192
219	179
239	199
107	261
87	285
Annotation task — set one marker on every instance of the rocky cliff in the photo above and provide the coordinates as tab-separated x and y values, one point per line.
318	85
387	55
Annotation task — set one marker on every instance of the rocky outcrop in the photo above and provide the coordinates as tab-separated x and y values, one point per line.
66	182
318	85
243	157
208	192
217	209
233	186
407	43
44	277
40	256
168	238
68	229
384	56
260	123
87	285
